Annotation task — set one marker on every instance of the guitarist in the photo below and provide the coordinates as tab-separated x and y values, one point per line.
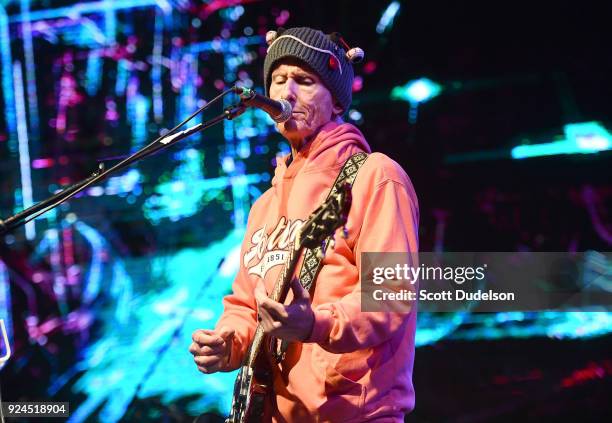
341	364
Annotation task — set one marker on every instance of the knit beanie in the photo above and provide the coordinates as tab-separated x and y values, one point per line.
327	55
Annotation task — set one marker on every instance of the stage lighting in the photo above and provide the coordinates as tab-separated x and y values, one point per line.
581	138
386	20
416	91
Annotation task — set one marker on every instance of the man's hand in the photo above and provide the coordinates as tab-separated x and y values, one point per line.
292	322
211	348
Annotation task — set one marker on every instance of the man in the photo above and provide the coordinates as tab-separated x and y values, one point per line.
342	364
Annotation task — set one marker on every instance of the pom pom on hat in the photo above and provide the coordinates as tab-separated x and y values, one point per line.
355	55
270	37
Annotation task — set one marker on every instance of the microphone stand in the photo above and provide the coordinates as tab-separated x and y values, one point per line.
100	174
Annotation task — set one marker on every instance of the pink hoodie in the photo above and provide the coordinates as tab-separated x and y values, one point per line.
355	366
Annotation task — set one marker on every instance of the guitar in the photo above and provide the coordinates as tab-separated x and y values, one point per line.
254	378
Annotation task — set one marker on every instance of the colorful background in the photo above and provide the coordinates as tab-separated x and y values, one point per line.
500	114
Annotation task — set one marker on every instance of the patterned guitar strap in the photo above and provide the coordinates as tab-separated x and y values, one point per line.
312	263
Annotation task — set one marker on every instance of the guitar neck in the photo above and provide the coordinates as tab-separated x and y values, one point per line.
278	294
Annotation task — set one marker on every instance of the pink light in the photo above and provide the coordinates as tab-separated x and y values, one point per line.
68	97
111	111
369	67
42	163
357	84
68	248
219	84
282	18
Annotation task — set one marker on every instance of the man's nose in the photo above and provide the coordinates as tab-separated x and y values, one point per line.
289	91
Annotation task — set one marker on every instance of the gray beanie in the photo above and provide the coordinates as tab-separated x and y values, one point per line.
323	53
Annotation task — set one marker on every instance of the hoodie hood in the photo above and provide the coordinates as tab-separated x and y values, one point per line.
331	147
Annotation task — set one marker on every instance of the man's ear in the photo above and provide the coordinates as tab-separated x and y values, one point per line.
337	109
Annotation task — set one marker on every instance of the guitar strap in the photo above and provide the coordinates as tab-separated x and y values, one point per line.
312	256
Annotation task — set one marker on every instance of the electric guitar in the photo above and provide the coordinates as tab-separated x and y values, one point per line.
253	383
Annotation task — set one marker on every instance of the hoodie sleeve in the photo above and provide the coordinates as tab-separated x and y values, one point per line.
390	224
239	313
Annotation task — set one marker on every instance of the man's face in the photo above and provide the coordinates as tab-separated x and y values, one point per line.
313	104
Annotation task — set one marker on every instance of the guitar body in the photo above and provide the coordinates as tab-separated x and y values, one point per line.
251	395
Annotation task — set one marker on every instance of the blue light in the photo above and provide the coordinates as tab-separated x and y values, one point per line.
93	74
227	164
148	322
582	138
30	73
7	83
24	149
355	115
80	9
545	149
386	20
110	24
122	77
95	191
93	279
589	137
416	91
244	149
419	91
219	45
138	113
232	13
158	45
5	304
128	183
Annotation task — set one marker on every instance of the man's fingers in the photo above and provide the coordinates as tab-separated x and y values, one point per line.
210	348
207	337
269	322
299	293
264	317
208	369
205	369
206	360
280	313
201	332
194	348
214	350
275	310
226	332
260	292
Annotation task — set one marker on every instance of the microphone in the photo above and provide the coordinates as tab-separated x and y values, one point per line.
279	111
